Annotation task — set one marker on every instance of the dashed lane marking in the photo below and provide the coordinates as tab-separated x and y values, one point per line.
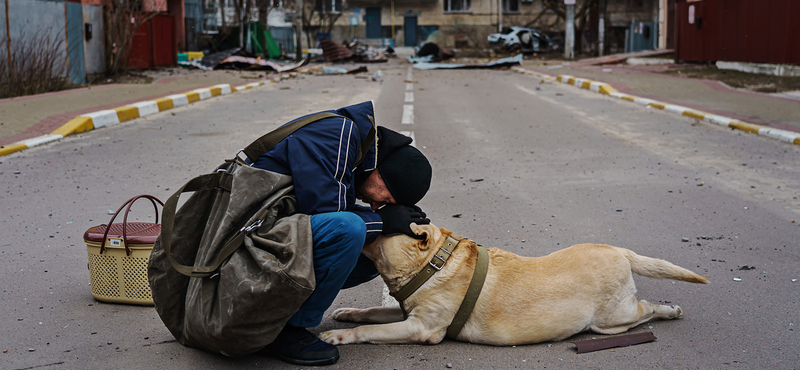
408	114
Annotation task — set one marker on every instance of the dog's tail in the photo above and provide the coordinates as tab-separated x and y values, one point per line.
660	269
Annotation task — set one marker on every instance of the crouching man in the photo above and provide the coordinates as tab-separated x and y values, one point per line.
321	158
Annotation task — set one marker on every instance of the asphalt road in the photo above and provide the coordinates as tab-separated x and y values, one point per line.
520	165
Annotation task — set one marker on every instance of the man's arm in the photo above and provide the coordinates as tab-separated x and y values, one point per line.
372	219
320	162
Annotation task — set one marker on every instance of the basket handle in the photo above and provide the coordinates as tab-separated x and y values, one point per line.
128	203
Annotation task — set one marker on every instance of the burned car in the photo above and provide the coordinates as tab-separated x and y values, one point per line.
525	40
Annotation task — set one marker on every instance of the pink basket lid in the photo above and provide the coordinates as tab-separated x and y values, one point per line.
137	232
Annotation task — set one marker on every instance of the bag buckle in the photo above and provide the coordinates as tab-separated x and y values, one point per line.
245	157
249	229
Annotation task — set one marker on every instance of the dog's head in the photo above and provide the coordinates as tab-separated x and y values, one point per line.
397	256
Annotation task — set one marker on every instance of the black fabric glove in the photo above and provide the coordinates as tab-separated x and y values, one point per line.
397	219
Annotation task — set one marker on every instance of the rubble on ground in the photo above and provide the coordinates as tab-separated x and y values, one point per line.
354	52
240	59
500	63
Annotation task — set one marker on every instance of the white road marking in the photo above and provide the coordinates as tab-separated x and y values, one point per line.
534	93
204	93
675	108
722	121
408	114
178	100
105	117
526	90
146	108
39	140
408	118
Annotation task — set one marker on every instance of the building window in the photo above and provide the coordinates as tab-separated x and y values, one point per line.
457	6
510	6
329	6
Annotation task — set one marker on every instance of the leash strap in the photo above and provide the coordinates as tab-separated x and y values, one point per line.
474	290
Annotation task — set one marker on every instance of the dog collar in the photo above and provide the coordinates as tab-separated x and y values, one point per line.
435	264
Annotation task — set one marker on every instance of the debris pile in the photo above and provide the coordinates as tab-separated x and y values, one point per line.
238	58
500	63
429	56
354	52
430	52
332	70
333	52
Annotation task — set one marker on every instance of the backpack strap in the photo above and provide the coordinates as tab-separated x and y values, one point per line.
218	180
223	180
263	144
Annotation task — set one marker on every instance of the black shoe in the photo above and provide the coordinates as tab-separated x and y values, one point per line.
300	347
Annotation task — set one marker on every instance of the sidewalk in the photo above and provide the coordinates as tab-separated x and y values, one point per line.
775	111
27	117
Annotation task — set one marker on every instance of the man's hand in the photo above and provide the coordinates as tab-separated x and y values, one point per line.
397	219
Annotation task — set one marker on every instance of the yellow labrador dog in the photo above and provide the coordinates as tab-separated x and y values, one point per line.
524	300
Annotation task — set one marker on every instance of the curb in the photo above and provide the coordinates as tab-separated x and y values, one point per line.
108	117
606	89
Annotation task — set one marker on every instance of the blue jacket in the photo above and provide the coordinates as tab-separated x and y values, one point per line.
321	157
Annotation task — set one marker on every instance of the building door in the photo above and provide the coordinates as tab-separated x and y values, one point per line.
374	23
77	67
410	30
141	53
163	42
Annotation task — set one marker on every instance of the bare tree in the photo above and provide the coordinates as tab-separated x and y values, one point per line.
464	28
319	16
35	64
122	19
242	11
264	6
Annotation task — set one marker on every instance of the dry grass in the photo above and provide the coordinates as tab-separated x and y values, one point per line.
37	64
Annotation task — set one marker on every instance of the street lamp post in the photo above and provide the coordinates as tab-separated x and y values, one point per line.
569	33
299	21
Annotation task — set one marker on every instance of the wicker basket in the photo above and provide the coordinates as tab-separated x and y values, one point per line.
118	257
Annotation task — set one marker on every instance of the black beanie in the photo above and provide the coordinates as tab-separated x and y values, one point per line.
405	170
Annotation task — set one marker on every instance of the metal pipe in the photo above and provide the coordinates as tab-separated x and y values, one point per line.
569	45
8	41
601	27
500	16
299	30
656	27
662	24
392	21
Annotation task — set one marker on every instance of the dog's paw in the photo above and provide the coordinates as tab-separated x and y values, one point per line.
338	336
678	312
346	314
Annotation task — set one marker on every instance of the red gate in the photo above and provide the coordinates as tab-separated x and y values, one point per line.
153	44
737	30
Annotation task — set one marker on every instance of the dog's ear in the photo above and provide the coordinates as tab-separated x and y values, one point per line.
425	233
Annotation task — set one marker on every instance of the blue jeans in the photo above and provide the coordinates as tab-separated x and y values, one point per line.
338	263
